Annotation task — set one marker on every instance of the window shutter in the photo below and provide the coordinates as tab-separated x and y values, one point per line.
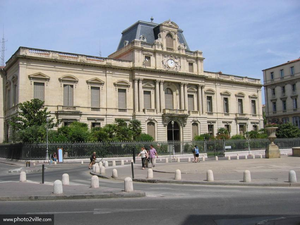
68	95
39	89
122	99
147	99
191	102
169	98
95	97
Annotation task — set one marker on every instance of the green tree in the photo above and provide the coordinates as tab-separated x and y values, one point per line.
202	137
222	134
135	128
29	124
76	132
287	130
237	136
144	138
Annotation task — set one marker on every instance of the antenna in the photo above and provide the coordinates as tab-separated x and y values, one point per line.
3	50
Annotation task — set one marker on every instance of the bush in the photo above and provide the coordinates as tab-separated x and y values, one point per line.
237	136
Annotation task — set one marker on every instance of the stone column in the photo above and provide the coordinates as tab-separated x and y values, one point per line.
181	96
199	100
202	99
157	96
162	96
136	96
141	95
186	104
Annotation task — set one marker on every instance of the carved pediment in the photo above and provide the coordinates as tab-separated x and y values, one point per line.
122	83
68	78
253	96
95	81
226	93
210	91
39	76
148	85
240	94
170	23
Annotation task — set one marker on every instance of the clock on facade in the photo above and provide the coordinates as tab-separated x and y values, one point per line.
171	63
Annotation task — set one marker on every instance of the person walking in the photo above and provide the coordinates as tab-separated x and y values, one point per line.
196	154
152	154
144	156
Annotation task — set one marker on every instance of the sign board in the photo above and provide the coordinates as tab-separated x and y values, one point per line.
227	147
60	154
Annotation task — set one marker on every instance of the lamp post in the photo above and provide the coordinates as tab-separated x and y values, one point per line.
173	137
47	153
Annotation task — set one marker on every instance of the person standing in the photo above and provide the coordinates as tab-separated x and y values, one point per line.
196	154
152	154
144	156
93	160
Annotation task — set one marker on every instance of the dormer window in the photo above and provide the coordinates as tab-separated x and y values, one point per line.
191	67
147	61
143	38
169	42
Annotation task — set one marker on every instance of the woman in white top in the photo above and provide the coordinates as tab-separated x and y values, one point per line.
144	156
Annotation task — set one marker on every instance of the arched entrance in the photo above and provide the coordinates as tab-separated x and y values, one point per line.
173	130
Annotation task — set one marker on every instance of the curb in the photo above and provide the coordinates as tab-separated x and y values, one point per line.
99	175
134	194
287	184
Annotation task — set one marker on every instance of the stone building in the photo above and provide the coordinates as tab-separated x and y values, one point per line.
282	87
153	77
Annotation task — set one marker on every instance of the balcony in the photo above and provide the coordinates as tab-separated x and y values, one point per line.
175	111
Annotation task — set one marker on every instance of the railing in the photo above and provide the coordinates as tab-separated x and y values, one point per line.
117	149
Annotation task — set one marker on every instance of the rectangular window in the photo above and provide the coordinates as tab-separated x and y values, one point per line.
95	97
209	104
147	61
292	70
242	129
15	94
272	75
122	99
281	73
284	105
39	91
253	107
226	105
211	130
191	67
273	92
293	87
274	106
295	104
283	90
191	102
240	106
68	95
285	120
147	99
227	127
296	121
255	127
8	99
95	124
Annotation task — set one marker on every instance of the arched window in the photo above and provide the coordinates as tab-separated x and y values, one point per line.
169	42
169	98
194	130
151	129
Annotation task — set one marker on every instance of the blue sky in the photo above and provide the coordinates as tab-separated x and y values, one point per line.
239	37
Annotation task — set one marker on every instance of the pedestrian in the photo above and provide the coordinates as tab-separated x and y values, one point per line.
148	158
144	156
92	160
152	154
54	157
196	154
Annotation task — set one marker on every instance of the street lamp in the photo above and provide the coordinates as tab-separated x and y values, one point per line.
47	154
173	137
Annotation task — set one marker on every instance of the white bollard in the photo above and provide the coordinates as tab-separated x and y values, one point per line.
237	156
122	162
209	175
292	176
95	182
203	158
106	164
55	162
246	157
81	162
65	179
217	158
260	156
189	159
57	187
113	163
178	159
94	168
167	160
247	176
33	164
23	176
150	174
229	158
114	173
102	170
128	185
253	156
97	168
178	175
100	164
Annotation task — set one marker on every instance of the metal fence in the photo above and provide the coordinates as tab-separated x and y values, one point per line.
113	149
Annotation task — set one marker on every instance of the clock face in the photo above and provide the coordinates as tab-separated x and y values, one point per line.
171	63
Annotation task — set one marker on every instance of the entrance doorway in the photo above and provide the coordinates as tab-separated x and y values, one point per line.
174	134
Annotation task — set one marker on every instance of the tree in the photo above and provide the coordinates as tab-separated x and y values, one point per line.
29	124
222	133
287	130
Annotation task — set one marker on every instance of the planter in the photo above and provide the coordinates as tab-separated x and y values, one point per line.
272	150
271	133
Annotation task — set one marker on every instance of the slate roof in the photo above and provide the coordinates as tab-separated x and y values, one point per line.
149	30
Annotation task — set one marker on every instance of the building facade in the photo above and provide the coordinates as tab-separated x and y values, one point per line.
153	77
282	87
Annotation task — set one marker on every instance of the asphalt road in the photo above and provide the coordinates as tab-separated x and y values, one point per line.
164	204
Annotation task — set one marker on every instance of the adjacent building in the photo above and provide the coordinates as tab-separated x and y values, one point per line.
282	87
153	77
